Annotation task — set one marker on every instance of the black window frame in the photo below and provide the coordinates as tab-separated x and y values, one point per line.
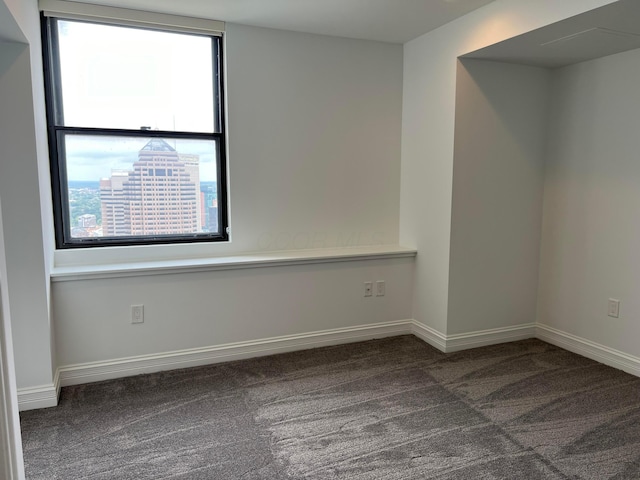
56	131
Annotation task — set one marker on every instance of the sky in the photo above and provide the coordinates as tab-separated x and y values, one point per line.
90	158
117	77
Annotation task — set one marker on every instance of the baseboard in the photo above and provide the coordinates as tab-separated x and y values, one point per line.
47	396
429	335
124	367
44	396
492	336
589	349
465	341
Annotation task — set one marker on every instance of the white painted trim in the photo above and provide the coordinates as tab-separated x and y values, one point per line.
11	454
492	336
126	16
587	348
124	367
47	396
44	396
465	341
431	336
11	461
257	260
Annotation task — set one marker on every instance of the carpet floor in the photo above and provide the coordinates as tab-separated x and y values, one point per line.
394	408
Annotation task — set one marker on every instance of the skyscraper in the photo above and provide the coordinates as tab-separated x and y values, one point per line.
192	165
112	203
209	201
158	197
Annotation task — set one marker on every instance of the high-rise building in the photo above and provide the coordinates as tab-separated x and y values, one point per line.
212	217
210	207
112	203
160	196
192	165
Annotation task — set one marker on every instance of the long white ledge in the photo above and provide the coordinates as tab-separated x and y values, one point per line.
254	260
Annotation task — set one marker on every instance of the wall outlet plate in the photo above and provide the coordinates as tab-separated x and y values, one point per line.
137	313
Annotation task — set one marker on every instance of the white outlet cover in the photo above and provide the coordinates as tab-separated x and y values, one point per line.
137	313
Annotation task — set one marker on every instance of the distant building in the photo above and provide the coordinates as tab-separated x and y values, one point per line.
113	202
87	221
192	166
209	199
87	227
160	196
203	209
212	216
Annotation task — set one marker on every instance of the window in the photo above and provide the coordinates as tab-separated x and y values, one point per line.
136	133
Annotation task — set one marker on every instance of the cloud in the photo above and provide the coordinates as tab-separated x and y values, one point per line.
89	158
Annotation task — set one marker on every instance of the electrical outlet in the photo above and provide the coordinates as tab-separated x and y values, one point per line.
614	308
368	289
380	288
137	313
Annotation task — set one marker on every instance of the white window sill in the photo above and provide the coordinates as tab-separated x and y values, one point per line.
254	260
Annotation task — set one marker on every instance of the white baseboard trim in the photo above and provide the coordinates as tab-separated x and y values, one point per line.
44	396
430	335
47	395
124	367
465	341
589	349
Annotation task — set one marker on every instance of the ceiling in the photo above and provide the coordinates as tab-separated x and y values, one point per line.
604	31
395	21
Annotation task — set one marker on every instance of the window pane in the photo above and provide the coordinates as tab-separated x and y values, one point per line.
134	186
129	78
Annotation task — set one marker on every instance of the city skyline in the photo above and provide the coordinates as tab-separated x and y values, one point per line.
90	158
161	194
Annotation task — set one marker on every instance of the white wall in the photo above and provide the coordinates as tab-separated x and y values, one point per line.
498	176
314	160
11	462
27	278
314	146
9	29
27	15
314	140
591	232
195	310
428	134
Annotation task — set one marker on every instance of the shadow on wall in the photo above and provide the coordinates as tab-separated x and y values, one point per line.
498	178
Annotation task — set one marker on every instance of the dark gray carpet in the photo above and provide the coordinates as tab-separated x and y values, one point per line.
385	409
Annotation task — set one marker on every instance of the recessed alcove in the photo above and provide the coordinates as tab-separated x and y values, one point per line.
544	223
